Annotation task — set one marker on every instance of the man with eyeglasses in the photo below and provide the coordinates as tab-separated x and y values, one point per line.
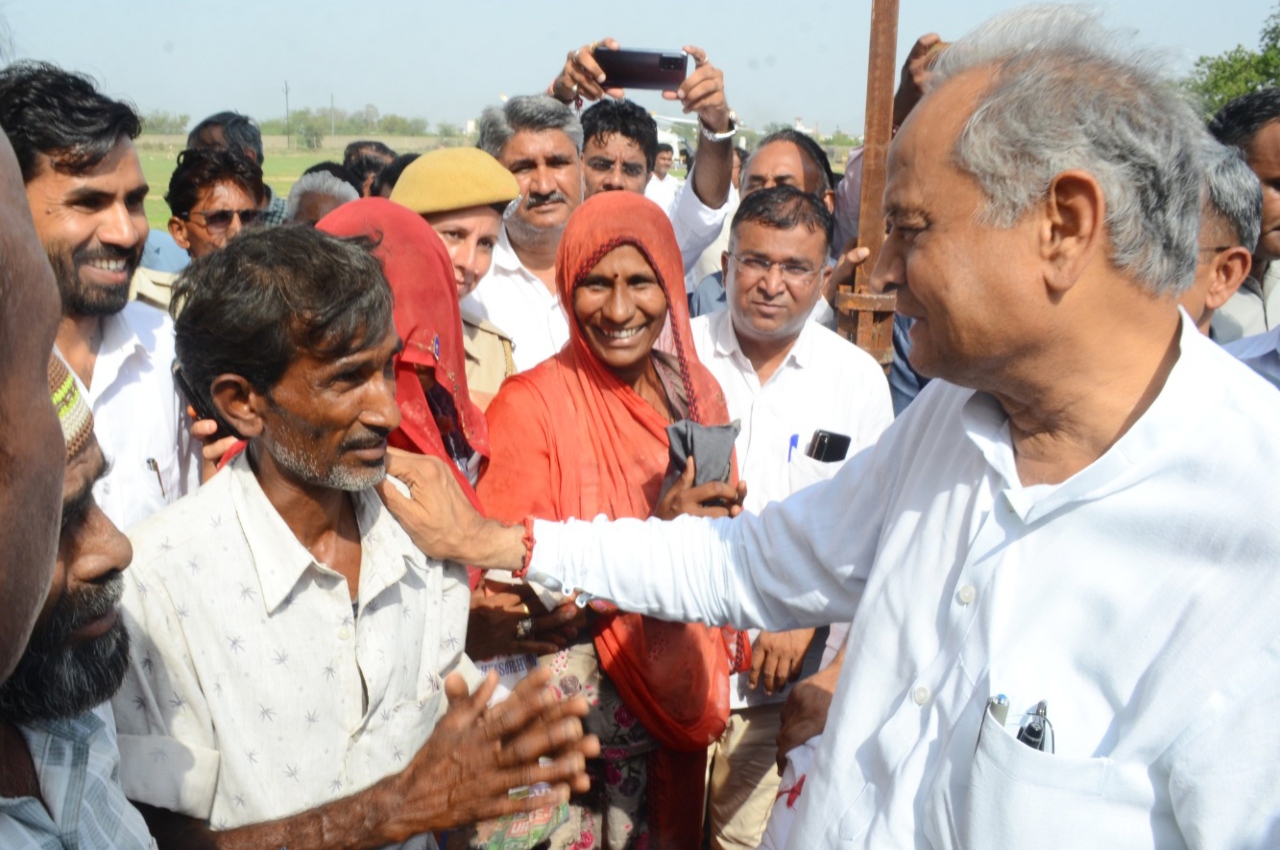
85	188
786	379
213	193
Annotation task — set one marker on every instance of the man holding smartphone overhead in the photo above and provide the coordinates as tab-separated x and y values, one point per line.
540	140
620	145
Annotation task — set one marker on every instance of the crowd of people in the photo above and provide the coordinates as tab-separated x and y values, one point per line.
526	495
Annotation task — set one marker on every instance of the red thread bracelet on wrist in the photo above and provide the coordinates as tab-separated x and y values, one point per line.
528	542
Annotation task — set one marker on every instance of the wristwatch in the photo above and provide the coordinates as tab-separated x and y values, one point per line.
720	137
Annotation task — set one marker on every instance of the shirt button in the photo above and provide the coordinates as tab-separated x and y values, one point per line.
344	633
920	695
966	594
106	488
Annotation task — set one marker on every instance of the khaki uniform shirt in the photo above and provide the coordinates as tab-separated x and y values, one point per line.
488	350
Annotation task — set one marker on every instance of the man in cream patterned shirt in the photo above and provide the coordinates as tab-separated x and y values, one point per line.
290	641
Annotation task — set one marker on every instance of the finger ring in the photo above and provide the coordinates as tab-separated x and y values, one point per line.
524	609
524	628
575	89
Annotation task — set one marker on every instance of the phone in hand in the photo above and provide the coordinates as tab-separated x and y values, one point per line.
828	446
662	70
201	407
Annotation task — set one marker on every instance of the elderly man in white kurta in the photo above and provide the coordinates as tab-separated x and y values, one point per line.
1068	517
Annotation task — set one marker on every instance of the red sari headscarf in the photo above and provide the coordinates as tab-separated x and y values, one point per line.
417	266
572	440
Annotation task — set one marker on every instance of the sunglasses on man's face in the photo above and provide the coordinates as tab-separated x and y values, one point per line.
216	221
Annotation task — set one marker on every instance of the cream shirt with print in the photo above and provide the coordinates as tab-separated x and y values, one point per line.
254	691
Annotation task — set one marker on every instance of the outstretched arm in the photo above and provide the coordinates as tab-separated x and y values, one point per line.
800	563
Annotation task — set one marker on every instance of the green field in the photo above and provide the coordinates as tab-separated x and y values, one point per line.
280	171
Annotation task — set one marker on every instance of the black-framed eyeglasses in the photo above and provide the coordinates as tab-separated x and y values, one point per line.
1216	249
759	267
216	221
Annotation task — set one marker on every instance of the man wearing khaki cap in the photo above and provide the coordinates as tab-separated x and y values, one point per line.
462	193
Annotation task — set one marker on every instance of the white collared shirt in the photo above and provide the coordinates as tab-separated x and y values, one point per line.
254	692
139	417
81	802
662	190
824	382
696	224
1260	353
519	303
1139	599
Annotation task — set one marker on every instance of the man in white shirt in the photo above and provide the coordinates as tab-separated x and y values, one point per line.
1065	606
287	679
539	140
85	187
663	186
1230	222
786	380
1251	123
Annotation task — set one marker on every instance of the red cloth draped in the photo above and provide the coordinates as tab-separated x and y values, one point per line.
570	439
418	267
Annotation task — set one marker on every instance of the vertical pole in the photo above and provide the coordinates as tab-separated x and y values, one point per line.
286	115
865	317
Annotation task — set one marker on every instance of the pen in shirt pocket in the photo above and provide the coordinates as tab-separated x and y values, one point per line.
792	445
155	467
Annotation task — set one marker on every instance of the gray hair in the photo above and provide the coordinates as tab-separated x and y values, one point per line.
240	131
1233	194
322	183
1068	94
533	112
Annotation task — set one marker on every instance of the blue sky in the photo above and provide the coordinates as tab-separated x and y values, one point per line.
782	59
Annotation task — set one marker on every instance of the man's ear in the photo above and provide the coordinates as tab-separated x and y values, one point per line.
724	267
1071	228
178	230
239	404
829	200
1230	268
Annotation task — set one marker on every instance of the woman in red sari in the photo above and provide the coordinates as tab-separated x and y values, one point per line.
584	434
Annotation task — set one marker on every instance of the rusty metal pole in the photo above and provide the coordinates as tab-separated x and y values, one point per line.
865	317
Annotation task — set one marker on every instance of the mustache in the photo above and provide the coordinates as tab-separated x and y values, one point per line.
76	609
376	439
56	678
535	200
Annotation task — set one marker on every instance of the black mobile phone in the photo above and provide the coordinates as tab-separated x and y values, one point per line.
203	411
828	446
663	70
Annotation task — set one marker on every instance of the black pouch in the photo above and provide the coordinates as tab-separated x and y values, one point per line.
710	446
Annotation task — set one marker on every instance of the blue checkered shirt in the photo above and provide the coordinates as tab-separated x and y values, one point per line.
84	807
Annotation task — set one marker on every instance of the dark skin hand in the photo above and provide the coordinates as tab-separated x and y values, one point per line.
777	658
915	75
212	448
497	608
462	775
713	499
804	714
